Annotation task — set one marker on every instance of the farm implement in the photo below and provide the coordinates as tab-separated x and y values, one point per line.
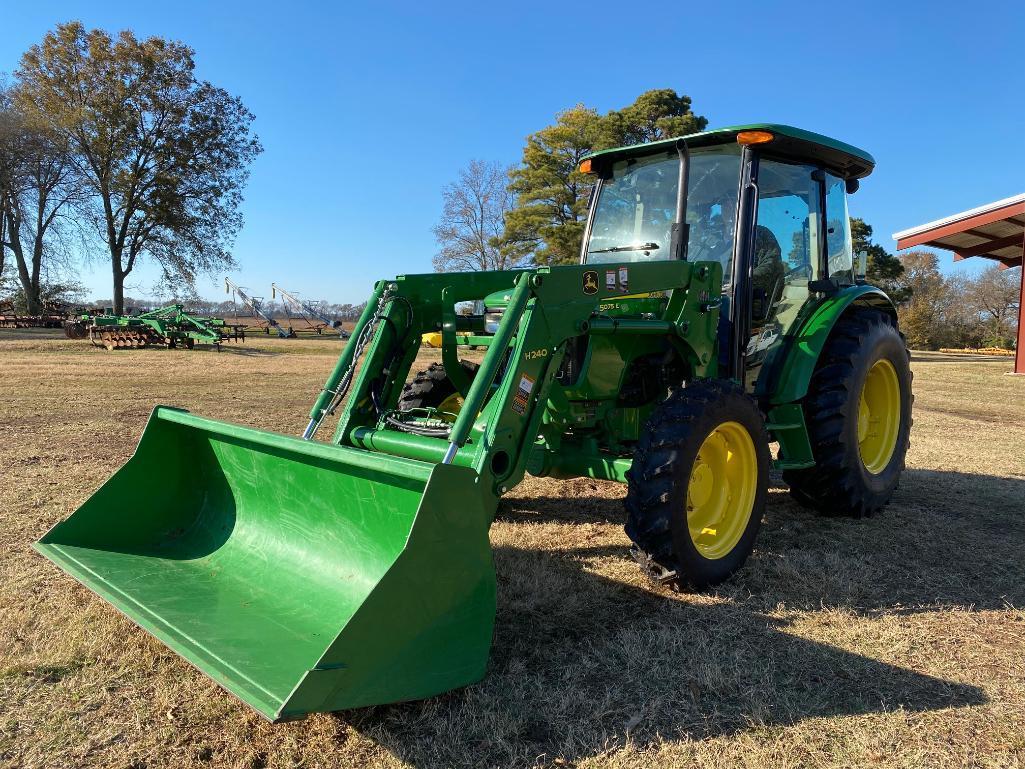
308	576
50	317
310	313
169	326
255	306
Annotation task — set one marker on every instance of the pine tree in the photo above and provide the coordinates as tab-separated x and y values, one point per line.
884	269
546	226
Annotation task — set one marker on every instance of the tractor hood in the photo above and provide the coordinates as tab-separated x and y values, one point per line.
497	301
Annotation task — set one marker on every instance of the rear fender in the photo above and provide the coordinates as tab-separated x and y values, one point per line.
790	378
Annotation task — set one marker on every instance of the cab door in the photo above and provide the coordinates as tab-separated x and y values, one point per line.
785	255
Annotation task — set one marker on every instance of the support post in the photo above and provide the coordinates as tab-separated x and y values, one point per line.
1019	352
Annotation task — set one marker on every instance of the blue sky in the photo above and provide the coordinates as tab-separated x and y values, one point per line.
365	112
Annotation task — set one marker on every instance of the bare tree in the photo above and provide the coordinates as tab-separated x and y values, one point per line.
3	237
962	325
473	219
996	294
37	187
166	155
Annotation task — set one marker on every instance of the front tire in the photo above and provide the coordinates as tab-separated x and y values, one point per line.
433	389
858	412
698	485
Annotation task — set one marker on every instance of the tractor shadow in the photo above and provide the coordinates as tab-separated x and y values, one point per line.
582	663
946	540
244	352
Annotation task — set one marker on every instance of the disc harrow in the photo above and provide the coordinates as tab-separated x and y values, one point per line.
168	327
124	338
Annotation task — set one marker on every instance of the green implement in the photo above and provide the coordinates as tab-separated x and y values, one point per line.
170	326
308	576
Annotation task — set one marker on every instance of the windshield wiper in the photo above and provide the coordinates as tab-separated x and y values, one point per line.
641	247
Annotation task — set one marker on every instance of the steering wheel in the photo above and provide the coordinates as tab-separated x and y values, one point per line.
801	271
710	243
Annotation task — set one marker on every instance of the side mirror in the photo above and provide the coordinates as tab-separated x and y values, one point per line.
852	186
862	265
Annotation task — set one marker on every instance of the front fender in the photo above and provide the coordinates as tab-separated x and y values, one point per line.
801	350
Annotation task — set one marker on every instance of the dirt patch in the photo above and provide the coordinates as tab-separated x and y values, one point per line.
897	641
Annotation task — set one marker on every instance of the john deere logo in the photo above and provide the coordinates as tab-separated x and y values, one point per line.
590	282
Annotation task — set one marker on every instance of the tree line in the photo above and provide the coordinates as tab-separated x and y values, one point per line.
957	310
534	213
943	311
112	144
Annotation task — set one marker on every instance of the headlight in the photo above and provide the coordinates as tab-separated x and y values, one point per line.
491	321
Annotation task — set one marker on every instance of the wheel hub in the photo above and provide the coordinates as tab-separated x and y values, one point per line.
879	414
721	490
700	483
449	407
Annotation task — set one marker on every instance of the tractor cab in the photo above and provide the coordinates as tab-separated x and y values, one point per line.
768	203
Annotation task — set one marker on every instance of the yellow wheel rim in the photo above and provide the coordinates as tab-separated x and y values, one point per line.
878	416
449	407
721	491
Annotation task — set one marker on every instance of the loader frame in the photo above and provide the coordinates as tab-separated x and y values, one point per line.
509	422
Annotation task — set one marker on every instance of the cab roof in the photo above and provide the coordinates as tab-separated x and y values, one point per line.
843	159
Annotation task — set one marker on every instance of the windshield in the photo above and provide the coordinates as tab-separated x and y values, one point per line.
713	184
636	207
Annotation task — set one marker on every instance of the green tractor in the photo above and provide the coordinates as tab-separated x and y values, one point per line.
717	310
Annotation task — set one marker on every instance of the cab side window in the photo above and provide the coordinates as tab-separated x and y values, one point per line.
785	256
840	252
786	235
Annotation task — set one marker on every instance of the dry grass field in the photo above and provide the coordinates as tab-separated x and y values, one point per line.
897	641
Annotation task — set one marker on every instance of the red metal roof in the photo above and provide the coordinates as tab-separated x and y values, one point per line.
993	231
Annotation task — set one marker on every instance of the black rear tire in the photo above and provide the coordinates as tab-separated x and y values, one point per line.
432	387
840	483
658	492
75	330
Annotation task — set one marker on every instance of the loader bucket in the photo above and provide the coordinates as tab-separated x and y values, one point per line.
300	576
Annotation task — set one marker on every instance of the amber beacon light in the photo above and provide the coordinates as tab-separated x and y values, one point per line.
754	137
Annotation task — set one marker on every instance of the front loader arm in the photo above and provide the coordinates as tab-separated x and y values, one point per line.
504	405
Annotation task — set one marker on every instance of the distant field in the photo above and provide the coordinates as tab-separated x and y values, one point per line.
897	641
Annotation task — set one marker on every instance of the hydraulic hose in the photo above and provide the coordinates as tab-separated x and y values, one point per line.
345	363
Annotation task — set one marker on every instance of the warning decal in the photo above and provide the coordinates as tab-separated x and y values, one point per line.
522	397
